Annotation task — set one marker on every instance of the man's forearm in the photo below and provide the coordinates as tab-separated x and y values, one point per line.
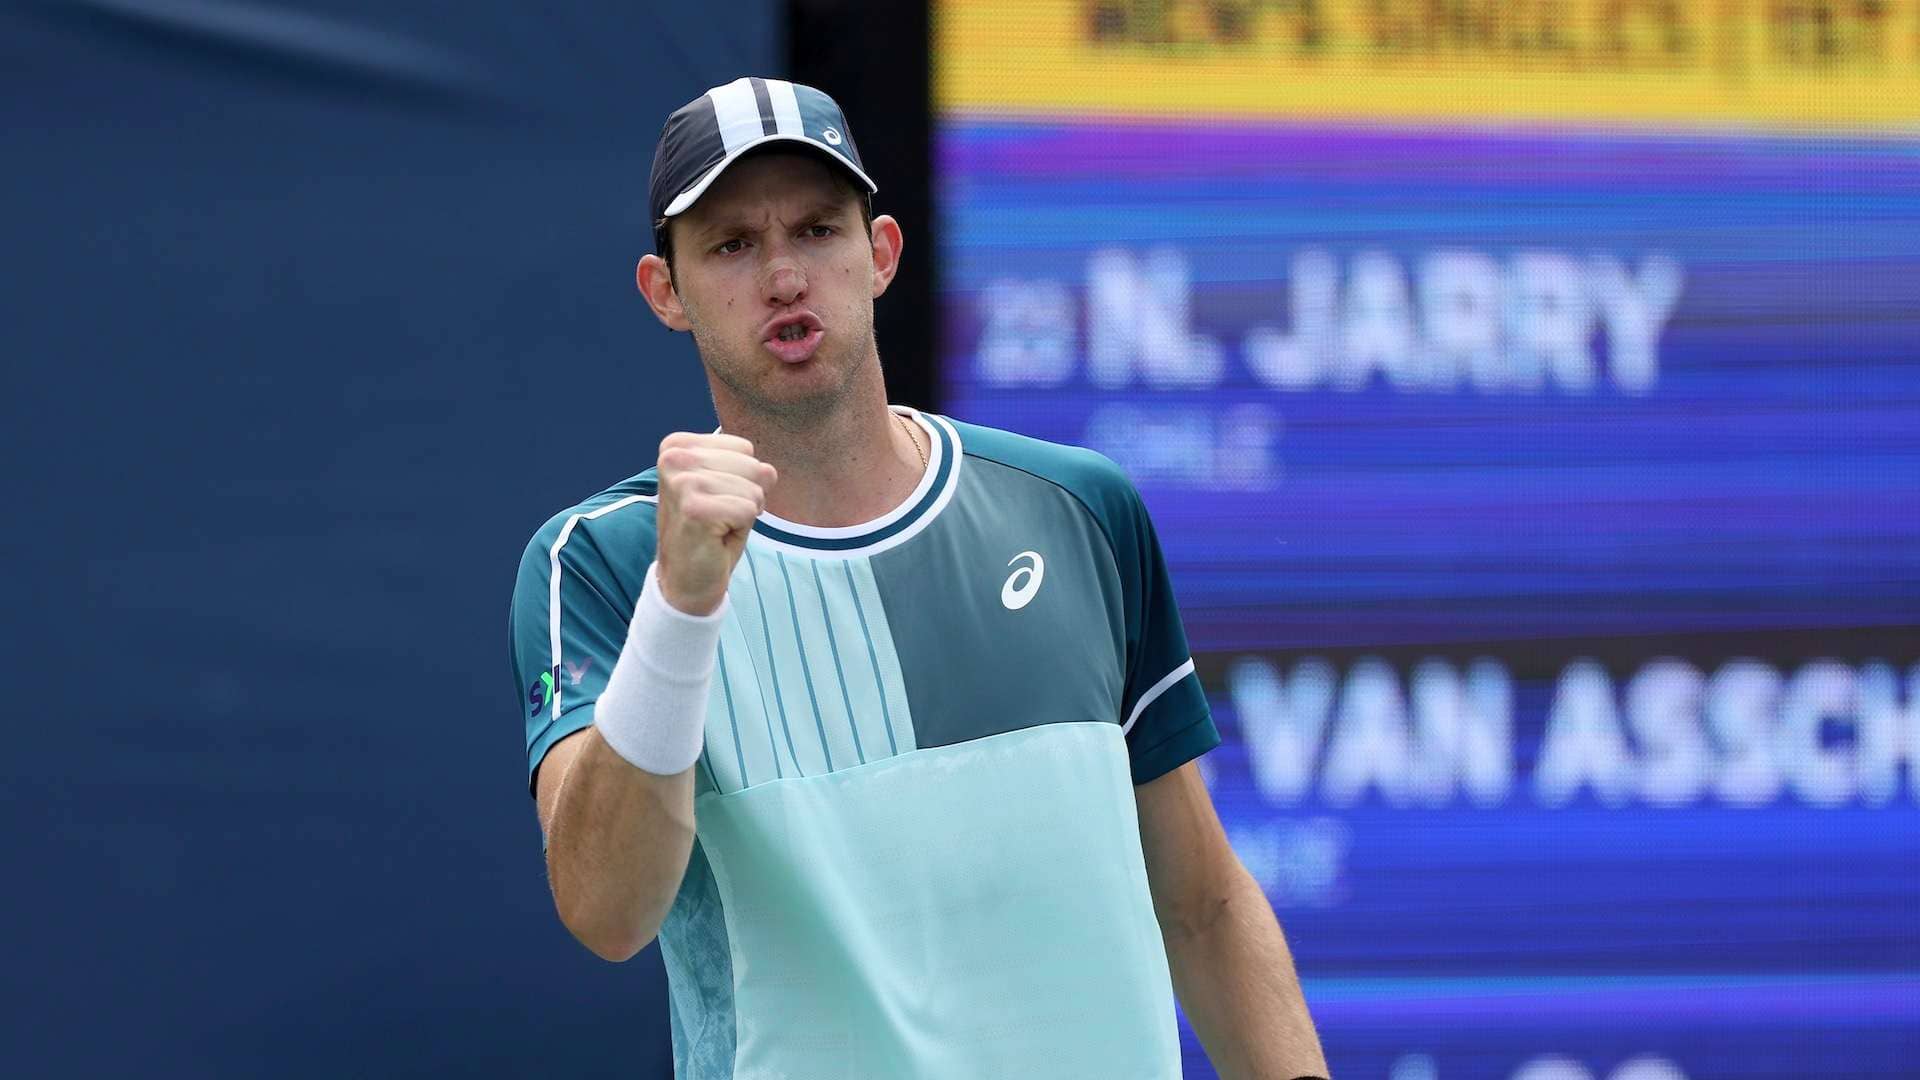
618	848
1236	981
621	827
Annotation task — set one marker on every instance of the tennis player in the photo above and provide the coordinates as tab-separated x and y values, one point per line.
882	722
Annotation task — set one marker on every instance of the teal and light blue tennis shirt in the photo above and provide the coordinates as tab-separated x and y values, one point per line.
917	851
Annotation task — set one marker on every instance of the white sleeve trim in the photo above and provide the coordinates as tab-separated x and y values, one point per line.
1153	693
553	583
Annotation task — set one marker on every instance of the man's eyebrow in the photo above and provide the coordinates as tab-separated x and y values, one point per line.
738	225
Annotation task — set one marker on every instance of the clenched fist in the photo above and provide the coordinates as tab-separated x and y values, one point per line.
711	489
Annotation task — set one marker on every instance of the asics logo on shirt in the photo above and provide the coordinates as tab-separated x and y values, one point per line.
1023	583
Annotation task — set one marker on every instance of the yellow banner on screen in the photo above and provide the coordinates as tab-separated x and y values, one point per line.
1842	64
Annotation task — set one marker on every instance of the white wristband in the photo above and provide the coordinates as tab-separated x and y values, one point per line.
654	710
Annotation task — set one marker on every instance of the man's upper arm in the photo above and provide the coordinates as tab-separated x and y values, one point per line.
552	771
1189	863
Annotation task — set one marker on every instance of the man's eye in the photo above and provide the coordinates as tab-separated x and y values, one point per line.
728	247
820	232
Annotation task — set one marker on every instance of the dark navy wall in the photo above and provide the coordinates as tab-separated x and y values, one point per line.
310	313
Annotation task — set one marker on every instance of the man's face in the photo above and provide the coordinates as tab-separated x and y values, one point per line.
778	236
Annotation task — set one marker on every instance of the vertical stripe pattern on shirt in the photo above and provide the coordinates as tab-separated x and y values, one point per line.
764	670
873	657
806	669
869	684
741	778
741	742
808	681
890	685
839	671
813	623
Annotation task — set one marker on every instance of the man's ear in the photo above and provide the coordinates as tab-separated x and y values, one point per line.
886	252
656	284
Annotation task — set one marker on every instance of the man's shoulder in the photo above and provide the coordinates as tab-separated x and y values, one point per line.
621	514
1090	476
1073	467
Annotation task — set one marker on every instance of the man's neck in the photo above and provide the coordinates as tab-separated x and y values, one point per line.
847	466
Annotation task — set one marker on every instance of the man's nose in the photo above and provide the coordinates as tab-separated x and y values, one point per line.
785	282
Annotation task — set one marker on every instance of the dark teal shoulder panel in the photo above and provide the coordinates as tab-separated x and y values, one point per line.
977	656
1168	721
595	554
1090	477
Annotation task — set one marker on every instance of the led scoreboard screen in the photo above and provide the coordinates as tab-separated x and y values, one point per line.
1528	398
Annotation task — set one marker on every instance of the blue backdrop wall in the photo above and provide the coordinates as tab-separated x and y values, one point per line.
313	312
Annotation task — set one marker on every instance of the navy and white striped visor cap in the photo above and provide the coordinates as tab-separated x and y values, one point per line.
712	131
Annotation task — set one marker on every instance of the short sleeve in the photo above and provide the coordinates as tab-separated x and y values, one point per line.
572	601
1165	714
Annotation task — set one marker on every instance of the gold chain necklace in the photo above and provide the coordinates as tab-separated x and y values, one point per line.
907	426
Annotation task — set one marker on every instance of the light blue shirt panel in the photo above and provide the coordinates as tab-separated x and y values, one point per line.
761	606
743	734
816	645
966	911
807	680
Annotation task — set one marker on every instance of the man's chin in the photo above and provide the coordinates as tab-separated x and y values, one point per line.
799	391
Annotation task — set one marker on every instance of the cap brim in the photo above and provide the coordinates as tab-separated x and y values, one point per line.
691	195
